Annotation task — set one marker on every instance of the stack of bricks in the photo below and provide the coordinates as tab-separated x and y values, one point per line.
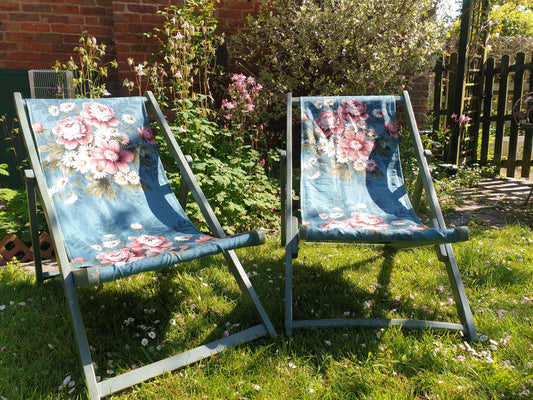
11	247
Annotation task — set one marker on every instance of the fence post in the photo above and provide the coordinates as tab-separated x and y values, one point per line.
500	113
437	93
487	109
517	93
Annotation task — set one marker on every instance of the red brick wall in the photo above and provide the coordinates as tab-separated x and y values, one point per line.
36	33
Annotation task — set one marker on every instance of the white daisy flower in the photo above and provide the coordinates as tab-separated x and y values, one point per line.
66	107
144	342
128	119
378	113
98	173
134	178
69	159
104	134
53	110
83	164
121	178
108	244
359	165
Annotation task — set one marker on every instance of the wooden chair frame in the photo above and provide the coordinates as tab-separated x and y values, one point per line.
291	238
35	182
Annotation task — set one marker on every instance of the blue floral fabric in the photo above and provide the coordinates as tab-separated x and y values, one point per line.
114	205
352	187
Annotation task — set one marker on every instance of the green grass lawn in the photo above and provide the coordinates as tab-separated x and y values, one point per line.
136	320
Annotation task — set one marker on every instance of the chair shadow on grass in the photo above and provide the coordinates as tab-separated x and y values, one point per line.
321	292
118	316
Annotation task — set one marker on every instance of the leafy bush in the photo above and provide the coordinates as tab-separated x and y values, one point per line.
228	161
339	46
14	215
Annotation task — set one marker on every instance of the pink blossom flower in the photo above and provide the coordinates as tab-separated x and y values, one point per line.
136	226
37	127
371	165
109	158
355	146
392	128
365	220
147	134
72	131
100	115
462	119
205	238
418	227
120	256
155	244
328	225
330	123
354	110
228	104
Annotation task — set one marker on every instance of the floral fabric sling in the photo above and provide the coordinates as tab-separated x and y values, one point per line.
352	188
116	211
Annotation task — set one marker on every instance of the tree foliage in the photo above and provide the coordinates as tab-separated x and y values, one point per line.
511	18
339	46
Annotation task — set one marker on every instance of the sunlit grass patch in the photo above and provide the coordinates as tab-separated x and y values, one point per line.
135	320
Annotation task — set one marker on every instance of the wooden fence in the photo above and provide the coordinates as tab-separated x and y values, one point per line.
492	136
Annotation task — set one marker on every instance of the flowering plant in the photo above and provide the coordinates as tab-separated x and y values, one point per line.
238	109
89	70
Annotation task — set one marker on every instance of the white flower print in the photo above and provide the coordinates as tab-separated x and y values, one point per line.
128	119
53	110
66	107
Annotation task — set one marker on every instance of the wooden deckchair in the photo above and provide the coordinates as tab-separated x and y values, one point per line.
111	211
352	191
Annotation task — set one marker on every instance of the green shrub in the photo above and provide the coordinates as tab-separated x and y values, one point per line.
339	46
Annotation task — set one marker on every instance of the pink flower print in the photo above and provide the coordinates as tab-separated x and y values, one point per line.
120	256
418	227
328	225
37	127
371	165
136	226
366	221
147	134
109	158
155	244
72	131
354	110
392	128
354	146
330	122
100	115
78	259
205	238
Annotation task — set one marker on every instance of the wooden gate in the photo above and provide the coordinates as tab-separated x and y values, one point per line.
492	136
